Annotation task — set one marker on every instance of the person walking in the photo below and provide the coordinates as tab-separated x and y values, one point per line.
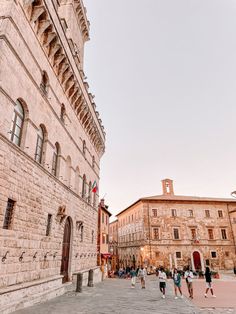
162	282
188	275
208	282
133	277
142	275
177	283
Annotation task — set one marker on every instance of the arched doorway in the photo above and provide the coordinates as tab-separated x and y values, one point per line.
197	260
66	251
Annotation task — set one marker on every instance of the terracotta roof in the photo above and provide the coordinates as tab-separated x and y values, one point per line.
180	198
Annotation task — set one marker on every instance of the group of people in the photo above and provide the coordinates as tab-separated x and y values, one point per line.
141	273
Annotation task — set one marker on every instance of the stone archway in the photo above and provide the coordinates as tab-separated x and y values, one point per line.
197	261
66	250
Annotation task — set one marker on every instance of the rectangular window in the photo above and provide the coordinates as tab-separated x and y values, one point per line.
103	218
157	254
213	254
81	233
227	253
223	234
178	255
8	214
193	234
173	212
156	233
207	213
49	224
154	212
190	212
107	238
176	233
106	219
210	234
220	213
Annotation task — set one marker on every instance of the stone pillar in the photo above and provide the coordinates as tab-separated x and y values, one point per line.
79	282
90	278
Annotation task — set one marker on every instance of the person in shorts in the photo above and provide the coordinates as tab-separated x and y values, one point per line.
142	275
177	283
162	282
208	282
188	275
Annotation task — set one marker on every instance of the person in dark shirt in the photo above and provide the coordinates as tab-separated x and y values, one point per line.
208	282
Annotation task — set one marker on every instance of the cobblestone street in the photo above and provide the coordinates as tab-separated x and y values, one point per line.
116	296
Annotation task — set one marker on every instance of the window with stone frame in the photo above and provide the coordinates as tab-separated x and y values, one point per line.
92	237
49	225
157	254
81	232
210	234
173	212
55	161
223	234
155	232
220	213
178	255
39	145
17	123
227	253
207	213
176	233
7	223
190	212
154	212
193	233
63	113
213	254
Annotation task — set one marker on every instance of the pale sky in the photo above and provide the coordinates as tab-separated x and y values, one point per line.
164	76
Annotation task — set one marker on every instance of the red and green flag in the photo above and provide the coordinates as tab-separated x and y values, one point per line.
94	187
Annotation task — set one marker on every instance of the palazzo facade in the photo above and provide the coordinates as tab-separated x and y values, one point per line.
176	231
51	143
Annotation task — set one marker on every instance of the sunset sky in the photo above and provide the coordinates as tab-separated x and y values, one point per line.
164	76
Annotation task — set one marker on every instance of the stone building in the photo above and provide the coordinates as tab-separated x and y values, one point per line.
175	231
113	244
103	237
51	143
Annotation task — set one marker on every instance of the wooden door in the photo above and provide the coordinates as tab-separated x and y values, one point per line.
197	260
66	251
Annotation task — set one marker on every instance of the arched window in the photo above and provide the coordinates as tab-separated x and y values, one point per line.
44	83
84	186
68	170
84	148
39	145
55	160
77	177
63	112
17	123
90	192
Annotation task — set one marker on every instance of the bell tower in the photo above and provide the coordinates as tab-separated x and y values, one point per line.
167	187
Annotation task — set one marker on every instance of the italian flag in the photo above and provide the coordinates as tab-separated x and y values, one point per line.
94	187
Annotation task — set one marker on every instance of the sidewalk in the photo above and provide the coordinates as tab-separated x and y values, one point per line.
116	296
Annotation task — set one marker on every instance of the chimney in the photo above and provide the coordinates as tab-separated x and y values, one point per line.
167	187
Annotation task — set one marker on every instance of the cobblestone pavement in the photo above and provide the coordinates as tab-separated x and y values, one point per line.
116	296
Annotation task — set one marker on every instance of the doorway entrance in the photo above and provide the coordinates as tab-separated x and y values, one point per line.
66	251
197	260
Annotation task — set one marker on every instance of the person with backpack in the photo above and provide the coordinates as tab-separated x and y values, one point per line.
142	275
208	282
162	282
177	283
